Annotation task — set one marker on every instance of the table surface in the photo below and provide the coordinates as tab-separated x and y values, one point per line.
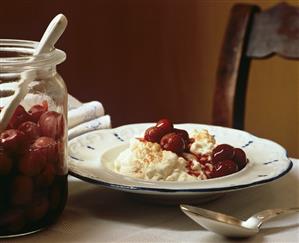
97	214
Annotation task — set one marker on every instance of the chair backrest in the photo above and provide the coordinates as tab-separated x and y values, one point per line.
250	34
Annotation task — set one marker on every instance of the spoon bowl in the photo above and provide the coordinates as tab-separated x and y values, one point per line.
230	226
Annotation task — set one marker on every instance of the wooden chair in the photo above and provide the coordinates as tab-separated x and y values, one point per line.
250	34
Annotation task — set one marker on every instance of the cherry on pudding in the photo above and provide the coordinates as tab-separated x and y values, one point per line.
222	152
183	133
223	168
162	127
153	134
165	126
173	142
240	158
220	161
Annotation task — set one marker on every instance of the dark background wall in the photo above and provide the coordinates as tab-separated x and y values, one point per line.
146	59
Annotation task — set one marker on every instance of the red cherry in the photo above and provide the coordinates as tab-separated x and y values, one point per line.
51	124
4	182
30	129
45	147
222	152
21	190
61	166
38	209
223	168
165	126
43	142
183	133
55	196
13	220
37	110
46	177
20	115
153	134
13	140
173	142
240	158
5	163
32	162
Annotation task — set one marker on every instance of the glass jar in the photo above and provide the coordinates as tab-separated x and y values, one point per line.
33	169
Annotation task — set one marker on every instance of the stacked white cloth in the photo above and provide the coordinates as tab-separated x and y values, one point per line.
85	117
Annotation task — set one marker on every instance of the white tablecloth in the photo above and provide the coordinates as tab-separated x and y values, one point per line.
97	214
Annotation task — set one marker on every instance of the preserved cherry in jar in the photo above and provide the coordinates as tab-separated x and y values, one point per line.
33	169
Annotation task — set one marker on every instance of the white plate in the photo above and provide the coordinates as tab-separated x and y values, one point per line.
91	155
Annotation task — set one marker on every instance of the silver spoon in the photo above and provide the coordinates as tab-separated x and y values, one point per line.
230	226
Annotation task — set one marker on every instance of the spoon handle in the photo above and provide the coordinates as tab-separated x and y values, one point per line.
268	214
19	93
52	34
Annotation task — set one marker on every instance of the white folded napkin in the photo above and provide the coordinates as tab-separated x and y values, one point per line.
84	113
95	124
85	117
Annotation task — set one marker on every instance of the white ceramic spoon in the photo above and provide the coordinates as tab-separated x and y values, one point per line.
230	226
53	32
20	91
46	44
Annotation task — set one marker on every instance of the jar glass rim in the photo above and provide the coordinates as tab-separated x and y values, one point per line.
21	55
